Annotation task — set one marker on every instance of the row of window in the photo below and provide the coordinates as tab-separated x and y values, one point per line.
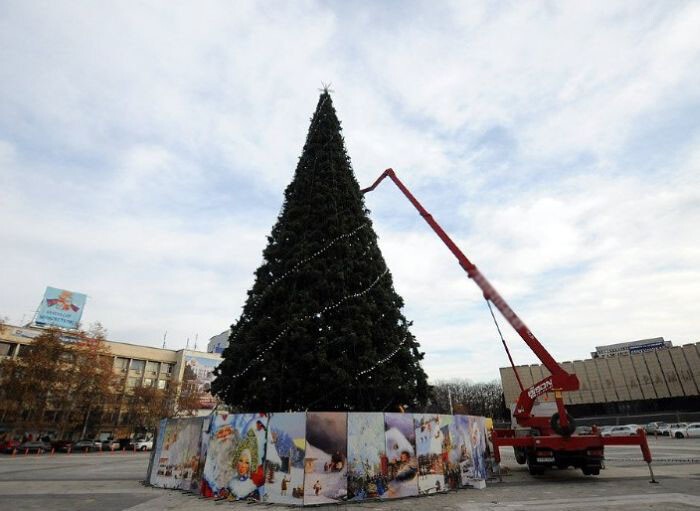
121	364
133	382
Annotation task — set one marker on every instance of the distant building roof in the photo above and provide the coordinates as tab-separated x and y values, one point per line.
625	348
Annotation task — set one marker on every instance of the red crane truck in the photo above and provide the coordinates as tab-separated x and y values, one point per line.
541	442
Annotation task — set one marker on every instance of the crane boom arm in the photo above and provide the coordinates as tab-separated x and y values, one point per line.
559	379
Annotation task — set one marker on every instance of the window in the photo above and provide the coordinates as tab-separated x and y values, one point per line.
162	384
132	382
24	350
6	349
137	366
148	382
166	368
120	364
152	367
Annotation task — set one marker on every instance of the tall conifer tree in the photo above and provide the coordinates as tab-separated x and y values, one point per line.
322	327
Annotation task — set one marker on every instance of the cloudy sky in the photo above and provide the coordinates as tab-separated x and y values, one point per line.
145	146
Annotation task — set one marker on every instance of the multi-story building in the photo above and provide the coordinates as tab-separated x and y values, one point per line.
219	343
138	366
637	378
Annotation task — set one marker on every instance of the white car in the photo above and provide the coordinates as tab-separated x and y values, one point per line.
692	430
143	445
621	431
677	430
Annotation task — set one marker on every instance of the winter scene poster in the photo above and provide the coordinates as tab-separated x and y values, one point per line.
191	457
196	485
368	465
429	445
179	453
284	462
234	466
458	459
325	464
402	470
153	468
476	474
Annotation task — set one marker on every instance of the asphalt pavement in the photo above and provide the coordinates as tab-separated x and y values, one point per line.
113	482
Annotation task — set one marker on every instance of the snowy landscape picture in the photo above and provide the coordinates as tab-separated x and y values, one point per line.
367	461
402	464
459	453
196	486
175	457
284	462
429	442
157	448
191	456
477	441
325	463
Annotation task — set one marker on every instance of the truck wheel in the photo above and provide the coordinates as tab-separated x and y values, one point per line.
590	471
520	455
557	427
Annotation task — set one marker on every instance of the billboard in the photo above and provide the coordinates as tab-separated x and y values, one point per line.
200	370
60	308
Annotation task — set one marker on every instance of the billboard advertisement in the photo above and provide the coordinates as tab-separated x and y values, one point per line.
60	308
200	370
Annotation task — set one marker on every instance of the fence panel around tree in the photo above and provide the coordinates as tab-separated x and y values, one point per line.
320	457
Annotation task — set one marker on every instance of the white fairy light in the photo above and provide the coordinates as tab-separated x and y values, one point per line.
303	318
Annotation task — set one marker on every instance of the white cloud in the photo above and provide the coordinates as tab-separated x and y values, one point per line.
144	150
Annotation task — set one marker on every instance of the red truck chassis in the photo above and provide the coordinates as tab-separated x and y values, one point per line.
541	442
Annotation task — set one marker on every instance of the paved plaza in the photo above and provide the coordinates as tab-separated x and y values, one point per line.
113	482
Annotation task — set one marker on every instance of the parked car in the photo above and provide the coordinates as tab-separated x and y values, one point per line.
627	430
34	446
655	428
677	430
111	445
62	445
143	445
692	430
84	445
8	446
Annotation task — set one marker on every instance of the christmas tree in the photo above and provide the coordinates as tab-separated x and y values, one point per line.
322	327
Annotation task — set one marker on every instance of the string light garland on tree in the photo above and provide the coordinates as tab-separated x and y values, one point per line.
318	314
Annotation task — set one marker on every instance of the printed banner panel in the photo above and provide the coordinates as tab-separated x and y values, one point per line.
325	463
191	456
458	460
157	448
368	465
197	478
320	457
402	463
60	308
477	439
284	461
179	455
234	465
429	446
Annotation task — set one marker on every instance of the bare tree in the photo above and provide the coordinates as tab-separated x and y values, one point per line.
464	397
55	384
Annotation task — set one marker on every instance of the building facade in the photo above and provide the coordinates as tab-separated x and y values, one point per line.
644	377
136	366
